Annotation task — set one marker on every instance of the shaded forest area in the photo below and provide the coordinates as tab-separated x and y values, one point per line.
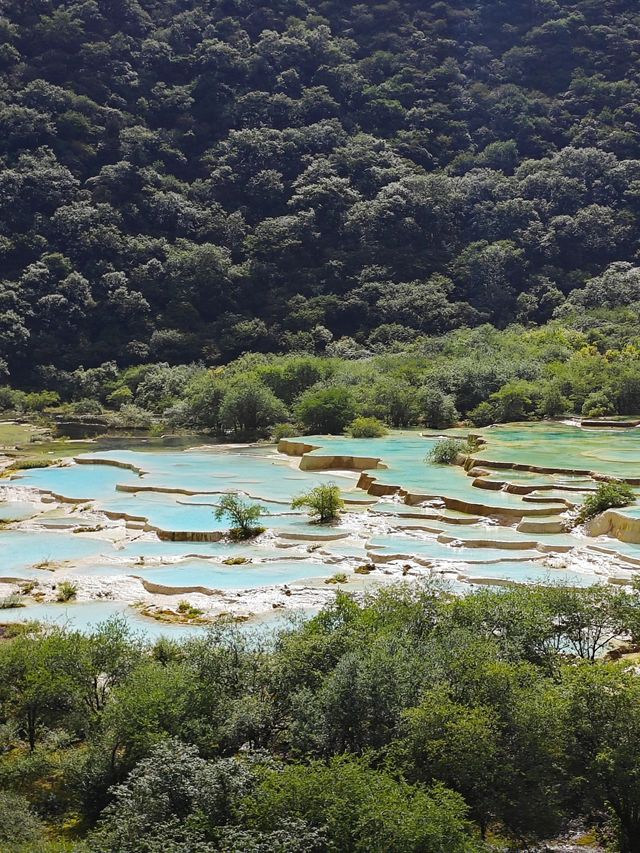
186	181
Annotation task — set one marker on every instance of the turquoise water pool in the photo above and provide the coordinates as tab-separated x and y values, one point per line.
174	490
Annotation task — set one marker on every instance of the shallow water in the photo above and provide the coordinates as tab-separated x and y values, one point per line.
175	488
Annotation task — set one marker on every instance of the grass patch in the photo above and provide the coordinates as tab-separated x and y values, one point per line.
9	602
188	610
66	591
339	577
29	463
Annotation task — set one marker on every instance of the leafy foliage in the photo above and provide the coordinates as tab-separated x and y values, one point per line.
447	450
242	515
367	428
323	502
413	720
185	183
606	496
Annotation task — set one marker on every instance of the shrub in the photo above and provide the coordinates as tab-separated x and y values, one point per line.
326	410
339	577
38	401
597	404
249	406
120	396
284	430
553	403
29	463
188	610
86	407
438	410
483	415
607	496
18	824
447	450
367	428
66	591
243	516
9	399
9	602
323	503
133	417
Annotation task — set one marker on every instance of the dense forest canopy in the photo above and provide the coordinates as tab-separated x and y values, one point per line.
183	181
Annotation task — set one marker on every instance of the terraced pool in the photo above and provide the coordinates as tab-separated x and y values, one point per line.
135	525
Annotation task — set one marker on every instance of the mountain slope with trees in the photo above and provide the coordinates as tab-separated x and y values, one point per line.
186	181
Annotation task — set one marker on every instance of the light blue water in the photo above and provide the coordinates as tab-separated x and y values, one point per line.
23	549
530	572
273	480
215	576
85	616
431	549
555	445
405	456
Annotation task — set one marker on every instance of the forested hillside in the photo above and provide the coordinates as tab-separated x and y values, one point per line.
183	181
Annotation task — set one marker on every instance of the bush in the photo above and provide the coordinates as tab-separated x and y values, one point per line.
243	516
249	406
120	396
86	407
284	431
323	503
326	410
367	428
553	403
67	591
438	410
607	496
133	417
38	401
188	610
338	577
18	824
9	602
447	450
597	404
9	399
483	415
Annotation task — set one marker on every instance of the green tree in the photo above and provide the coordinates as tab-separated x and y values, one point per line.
40	684
602	721
363	809
326	410
437	409
249	406
323	502
242	515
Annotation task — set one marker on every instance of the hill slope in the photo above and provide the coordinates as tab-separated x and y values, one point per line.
186	181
